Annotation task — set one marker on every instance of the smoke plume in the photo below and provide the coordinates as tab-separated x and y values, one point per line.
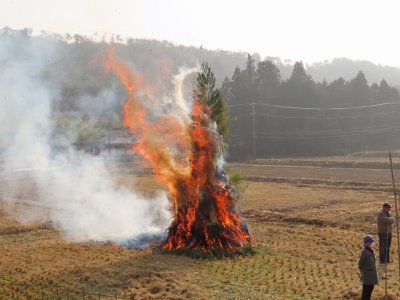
74	191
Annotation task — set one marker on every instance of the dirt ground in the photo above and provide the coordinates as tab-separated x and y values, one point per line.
307	223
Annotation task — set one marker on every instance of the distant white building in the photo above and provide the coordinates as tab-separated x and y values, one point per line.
118	141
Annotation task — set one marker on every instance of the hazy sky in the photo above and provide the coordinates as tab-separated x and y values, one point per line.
310	30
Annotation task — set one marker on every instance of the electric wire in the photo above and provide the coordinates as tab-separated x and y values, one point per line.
327	118
315	108
335	131
258	136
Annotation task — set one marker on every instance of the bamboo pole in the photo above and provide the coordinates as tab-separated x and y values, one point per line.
397	212
386	262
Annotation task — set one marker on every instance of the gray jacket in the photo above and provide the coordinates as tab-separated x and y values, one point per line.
384	222
366	264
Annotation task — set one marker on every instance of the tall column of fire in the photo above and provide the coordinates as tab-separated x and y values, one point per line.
182	152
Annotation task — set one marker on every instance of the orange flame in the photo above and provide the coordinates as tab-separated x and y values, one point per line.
182	154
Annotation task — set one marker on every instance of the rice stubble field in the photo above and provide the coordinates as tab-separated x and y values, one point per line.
307	221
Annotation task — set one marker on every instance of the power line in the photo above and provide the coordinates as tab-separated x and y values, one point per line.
333	134
324	136
326	118
316	108
321	134
333	131
380	127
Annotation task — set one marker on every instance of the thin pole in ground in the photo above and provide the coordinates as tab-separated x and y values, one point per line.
254	132
386	261
397	212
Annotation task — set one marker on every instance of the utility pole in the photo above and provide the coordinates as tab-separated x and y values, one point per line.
397	212
254	133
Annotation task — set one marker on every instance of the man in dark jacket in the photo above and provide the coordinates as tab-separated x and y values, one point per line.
367	267
384	222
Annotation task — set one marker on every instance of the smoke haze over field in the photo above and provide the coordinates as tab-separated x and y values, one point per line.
82	198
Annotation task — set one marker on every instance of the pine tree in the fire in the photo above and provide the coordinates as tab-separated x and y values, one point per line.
206	218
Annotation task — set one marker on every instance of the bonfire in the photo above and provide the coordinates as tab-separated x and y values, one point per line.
183	149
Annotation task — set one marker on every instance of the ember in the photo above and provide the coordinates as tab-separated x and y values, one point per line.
182	151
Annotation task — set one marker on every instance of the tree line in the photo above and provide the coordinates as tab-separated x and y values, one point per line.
271	116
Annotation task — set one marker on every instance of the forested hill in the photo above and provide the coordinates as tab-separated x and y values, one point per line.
346	68
145	52
87	102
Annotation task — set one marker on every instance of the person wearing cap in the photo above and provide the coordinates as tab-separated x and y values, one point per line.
384	223
366	265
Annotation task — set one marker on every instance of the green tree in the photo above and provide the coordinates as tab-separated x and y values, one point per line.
299	73
226	89
249	77
268	80
250	68
338	94
237	87
386	93
300	89
360	93
240	118
208	94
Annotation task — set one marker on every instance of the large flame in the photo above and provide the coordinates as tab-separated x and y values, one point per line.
182	151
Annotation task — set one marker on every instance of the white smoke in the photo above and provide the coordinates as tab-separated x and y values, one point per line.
77	191
182	105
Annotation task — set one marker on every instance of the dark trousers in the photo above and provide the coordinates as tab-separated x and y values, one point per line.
384	247
367	291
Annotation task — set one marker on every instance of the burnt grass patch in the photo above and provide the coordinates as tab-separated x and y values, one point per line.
217	253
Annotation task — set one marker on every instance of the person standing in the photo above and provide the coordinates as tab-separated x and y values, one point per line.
384	222
366	265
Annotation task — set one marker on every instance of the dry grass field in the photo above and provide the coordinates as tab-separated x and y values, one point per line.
306	221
